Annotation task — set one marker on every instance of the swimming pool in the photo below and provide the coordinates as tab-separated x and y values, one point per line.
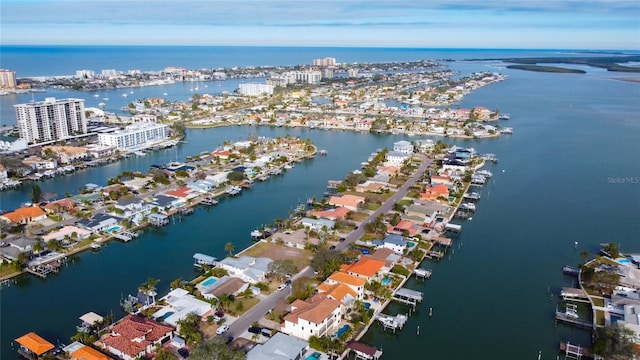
113	229
209	281
623	261
386	281
316	355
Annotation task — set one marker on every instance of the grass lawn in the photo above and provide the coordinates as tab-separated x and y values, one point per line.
247	303
598	301
600	317
6	269
300	258
360	216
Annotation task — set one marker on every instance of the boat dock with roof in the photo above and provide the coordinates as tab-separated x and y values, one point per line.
574	352
363	351
422	273
203	259
392	322
408	296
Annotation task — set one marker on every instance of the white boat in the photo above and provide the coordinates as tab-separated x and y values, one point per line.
288	166
140	153
105	98
96	95
96	246
571	314
165	94
256	234
124	95
507	131
485	173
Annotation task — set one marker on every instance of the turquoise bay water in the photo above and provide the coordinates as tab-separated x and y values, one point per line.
490	295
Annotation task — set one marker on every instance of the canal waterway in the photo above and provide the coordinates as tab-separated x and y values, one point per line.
557	183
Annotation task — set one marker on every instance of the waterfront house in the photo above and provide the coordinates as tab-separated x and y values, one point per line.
100	222
84	352
62	205
394	242
130	206
331	214
183	193
316	316
135	336
67	232
453	166
426	210
425	145
444	179
247	268
229	285
318	224
179	303
365	268
403	146
340	292
434	192
387	255
33	346
411	228
396	158
202	186
279	347
356	284
24	215
376	185
137	183
351	202
66	154
165	203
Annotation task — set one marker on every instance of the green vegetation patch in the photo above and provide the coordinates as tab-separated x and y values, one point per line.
549	69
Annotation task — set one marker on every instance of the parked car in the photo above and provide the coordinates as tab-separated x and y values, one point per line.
222	329
183	352
218	315
282	286
255	329
288	282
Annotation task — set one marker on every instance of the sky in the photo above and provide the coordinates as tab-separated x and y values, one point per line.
518	24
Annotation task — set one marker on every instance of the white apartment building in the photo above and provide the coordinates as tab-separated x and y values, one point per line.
305	76
7	79
51	119
88	74
403	146
352	73
136	136
107	73
253	89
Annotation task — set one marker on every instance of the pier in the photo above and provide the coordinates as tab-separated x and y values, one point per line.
573	320
126	236
204	260
392	322
209	201
433	254
185	210
363	351
570	270
574	352
158	219
407	296
422	273
454	228
574	294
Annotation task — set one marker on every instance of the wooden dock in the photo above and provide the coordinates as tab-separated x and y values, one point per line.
408	296
574	294
422	273
574	321
433	254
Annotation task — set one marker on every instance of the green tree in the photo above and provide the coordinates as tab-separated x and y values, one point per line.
236	176
279	269
216	349
36	193
326	261
148	288
614	342
190	329
164	354
229	247
54	245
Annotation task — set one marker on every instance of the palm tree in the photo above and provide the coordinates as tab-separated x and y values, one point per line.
149	289
38	247
229	247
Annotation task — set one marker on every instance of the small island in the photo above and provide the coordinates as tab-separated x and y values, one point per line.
550	69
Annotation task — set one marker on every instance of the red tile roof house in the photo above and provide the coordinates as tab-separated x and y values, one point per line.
434	192
134	337
365	268
24	215
332	214
59	206
350	202
316	316
405	225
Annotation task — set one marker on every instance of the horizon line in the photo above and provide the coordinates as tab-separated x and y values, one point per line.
315	46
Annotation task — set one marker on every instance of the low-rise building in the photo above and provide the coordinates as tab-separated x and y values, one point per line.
24	215
279	347
351	202
316	316
247	268
135	337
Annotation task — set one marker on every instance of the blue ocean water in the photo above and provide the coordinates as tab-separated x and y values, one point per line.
490	296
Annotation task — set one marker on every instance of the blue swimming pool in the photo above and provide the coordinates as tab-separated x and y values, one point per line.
164	316
113	229
209	281
316	355
623	261
386	281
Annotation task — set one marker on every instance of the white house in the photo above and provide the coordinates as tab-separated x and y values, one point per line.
318	224
403	146
395	242
316	316
179	304
247	268
396	157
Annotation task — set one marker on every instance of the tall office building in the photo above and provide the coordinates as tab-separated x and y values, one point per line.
324	62
51	119
7	79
